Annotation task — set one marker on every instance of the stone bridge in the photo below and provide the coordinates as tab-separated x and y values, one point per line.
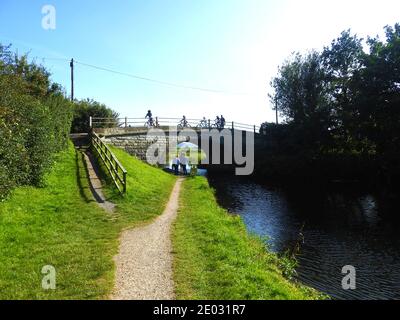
224	148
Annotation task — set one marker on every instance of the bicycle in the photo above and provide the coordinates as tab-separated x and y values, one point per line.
183	123
203	124
149	123
219	123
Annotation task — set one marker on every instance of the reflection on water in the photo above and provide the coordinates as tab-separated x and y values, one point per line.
340	228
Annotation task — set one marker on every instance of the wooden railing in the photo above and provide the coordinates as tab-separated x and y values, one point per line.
114	167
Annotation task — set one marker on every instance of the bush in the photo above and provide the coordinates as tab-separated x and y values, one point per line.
61	111
89	108
35	120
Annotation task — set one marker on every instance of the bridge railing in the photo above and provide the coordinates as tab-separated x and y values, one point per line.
168	122
115	169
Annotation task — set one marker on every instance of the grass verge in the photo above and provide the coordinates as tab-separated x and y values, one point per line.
216	259
60	225
57	225
148	190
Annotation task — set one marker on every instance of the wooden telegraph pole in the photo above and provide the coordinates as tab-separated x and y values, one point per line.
276	110
72	79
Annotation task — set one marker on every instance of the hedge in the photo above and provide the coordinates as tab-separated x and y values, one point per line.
35	120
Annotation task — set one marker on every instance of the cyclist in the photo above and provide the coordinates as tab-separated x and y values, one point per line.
184	122
222	123
217	122
204	123
149	116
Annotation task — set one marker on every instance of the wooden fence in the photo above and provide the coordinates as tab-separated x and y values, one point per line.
115	169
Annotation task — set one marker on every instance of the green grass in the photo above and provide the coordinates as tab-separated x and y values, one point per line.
57	225
148	190
215	258
60	225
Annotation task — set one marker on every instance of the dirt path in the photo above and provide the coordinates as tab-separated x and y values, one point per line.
82	142
95	184
144	262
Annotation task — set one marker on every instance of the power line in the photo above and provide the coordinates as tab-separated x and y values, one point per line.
137	77
151	80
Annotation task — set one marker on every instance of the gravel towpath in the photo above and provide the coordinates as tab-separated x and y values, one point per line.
144	262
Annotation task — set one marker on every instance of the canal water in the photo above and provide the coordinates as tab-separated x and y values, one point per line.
338	228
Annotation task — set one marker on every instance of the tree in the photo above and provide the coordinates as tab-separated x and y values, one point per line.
301	96
89	108
379	99
35	119
342	61
343	105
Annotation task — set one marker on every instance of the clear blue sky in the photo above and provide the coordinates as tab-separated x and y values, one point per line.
233	46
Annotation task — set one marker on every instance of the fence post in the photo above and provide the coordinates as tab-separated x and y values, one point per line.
126	122
157	122
254	129
233	126
90	122
209	124
124	182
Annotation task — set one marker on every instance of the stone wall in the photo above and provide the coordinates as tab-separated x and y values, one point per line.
138	144
134	145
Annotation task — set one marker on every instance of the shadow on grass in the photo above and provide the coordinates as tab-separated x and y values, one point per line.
110	190
82	177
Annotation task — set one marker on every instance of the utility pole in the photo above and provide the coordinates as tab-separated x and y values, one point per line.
276	110
72	79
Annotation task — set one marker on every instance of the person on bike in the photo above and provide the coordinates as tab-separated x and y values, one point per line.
149	116
222	121
184	122
218	122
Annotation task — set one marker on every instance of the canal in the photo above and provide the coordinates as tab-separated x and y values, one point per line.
338	228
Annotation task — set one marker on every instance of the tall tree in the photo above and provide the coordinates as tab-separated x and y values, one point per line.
342	60
379	98
301	95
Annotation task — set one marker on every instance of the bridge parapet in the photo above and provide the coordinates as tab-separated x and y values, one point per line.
134	124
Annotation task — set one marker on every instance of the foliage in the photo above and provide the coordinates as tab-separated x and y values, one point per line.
342	102
85	109
35	121
288	263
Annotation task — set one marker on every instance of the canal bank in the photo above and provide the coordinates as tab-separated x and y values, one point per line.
340	225
215	258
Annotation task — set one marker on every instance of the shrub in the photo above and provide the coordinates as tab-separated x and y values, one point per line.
89	108
35	120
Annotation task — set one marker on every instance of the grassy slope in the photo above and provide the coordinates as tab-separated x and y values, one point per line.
148	190
60	225
216	259
56	225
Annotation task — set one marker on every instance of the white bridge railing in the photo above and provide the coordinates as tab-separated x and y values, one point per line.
169	122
